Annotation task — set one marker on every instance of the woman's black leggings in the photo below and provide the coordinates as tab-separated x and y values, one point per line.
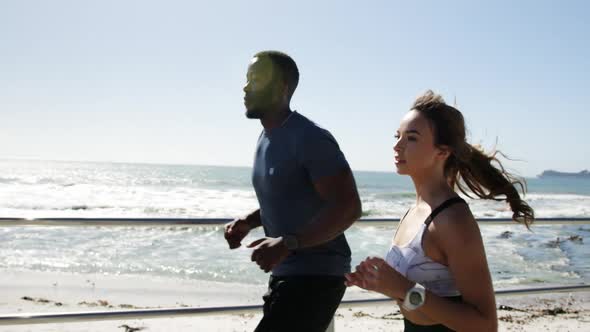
411	327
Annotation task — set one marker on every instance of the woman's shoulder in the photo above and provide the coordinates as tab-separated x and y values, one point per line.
454	222
457	211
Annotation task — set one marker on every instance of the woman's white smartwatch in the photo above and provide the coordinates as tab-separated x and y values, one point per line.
415	297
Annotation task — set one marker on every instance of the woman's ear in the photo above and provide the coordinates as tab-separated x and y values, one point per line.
444	151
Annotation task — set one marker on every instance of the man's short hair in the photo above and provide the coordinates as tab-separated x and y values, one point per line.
288	67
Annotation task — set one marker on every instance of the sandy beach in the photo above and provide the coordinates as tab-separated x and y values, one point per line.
26	292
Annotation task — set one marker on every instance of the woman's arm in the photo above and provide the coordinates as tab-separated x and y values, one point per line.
457	235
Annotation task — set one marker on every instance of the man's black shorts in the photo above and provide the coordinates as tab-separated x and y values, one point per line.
301	303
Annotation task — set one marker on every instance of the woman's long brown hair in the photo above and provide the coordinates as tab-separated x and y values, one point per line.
468	168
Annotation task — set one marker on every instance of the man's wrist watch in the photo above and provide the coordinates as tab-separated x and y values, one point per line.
415	297
291	242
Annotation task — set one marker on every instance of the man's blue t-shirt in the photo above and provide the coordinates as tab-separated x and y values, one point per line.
288	160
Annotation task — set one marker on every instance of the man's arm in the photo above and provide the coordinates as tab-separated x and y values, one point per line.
237	230
253	219
343	208
334	182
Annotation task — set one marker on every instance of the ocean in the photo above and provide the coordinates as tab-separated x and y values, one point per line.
547	254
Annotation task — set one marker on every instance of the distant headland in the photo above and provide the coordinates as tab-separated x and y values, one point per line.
551	173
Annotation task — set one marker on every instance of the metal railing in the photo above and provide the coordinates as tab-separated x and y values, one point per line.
221	221
65	317
77	317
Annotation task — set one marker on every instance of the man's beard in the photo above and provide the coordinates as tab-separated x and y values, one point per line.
255	113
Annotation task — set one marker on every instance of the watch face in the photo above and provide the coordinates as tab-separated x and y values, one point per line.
415	298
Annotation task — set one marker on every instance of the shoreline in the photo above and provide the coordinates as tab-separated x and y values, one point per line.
45	292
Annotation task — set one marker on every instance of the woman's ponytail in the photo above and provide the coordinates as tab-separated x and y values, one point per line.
469	168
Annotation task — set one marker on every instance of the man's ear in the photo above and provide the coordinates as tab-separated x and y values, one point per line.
285	91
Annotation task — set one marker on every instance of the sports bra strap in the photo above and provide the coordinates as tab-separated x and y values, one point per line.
441	207
404	217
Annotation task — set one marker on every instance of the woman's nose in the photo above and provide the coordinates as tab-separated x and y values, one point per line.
397	146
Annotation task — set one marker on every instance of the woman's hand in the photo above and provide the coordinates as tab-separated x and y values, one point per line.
375	274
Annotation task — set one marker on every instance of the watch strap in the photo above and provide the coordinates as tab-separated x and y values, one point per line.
291	241
415	297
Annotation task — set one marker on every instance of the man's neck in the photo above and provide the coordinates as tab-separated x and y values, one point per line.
276	118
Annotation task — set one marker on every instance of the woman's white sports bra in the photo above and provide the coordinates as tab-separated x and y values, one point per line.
411	261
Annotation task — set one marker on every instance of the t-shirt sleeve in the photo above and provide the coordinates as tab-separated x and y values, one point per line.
320	154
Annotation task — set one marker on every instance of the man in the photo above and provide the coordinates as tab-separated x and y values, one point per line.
307	197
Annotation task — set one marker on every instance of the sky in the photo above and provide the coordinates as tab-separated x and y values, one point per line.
161	81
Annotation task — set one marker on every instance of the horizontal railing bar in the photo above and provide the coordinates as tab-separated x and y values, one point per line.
83	316
71	317
498	293
113	221
221	221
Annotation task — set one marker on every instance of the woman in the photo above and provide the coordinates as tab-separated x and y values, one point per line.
436	268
